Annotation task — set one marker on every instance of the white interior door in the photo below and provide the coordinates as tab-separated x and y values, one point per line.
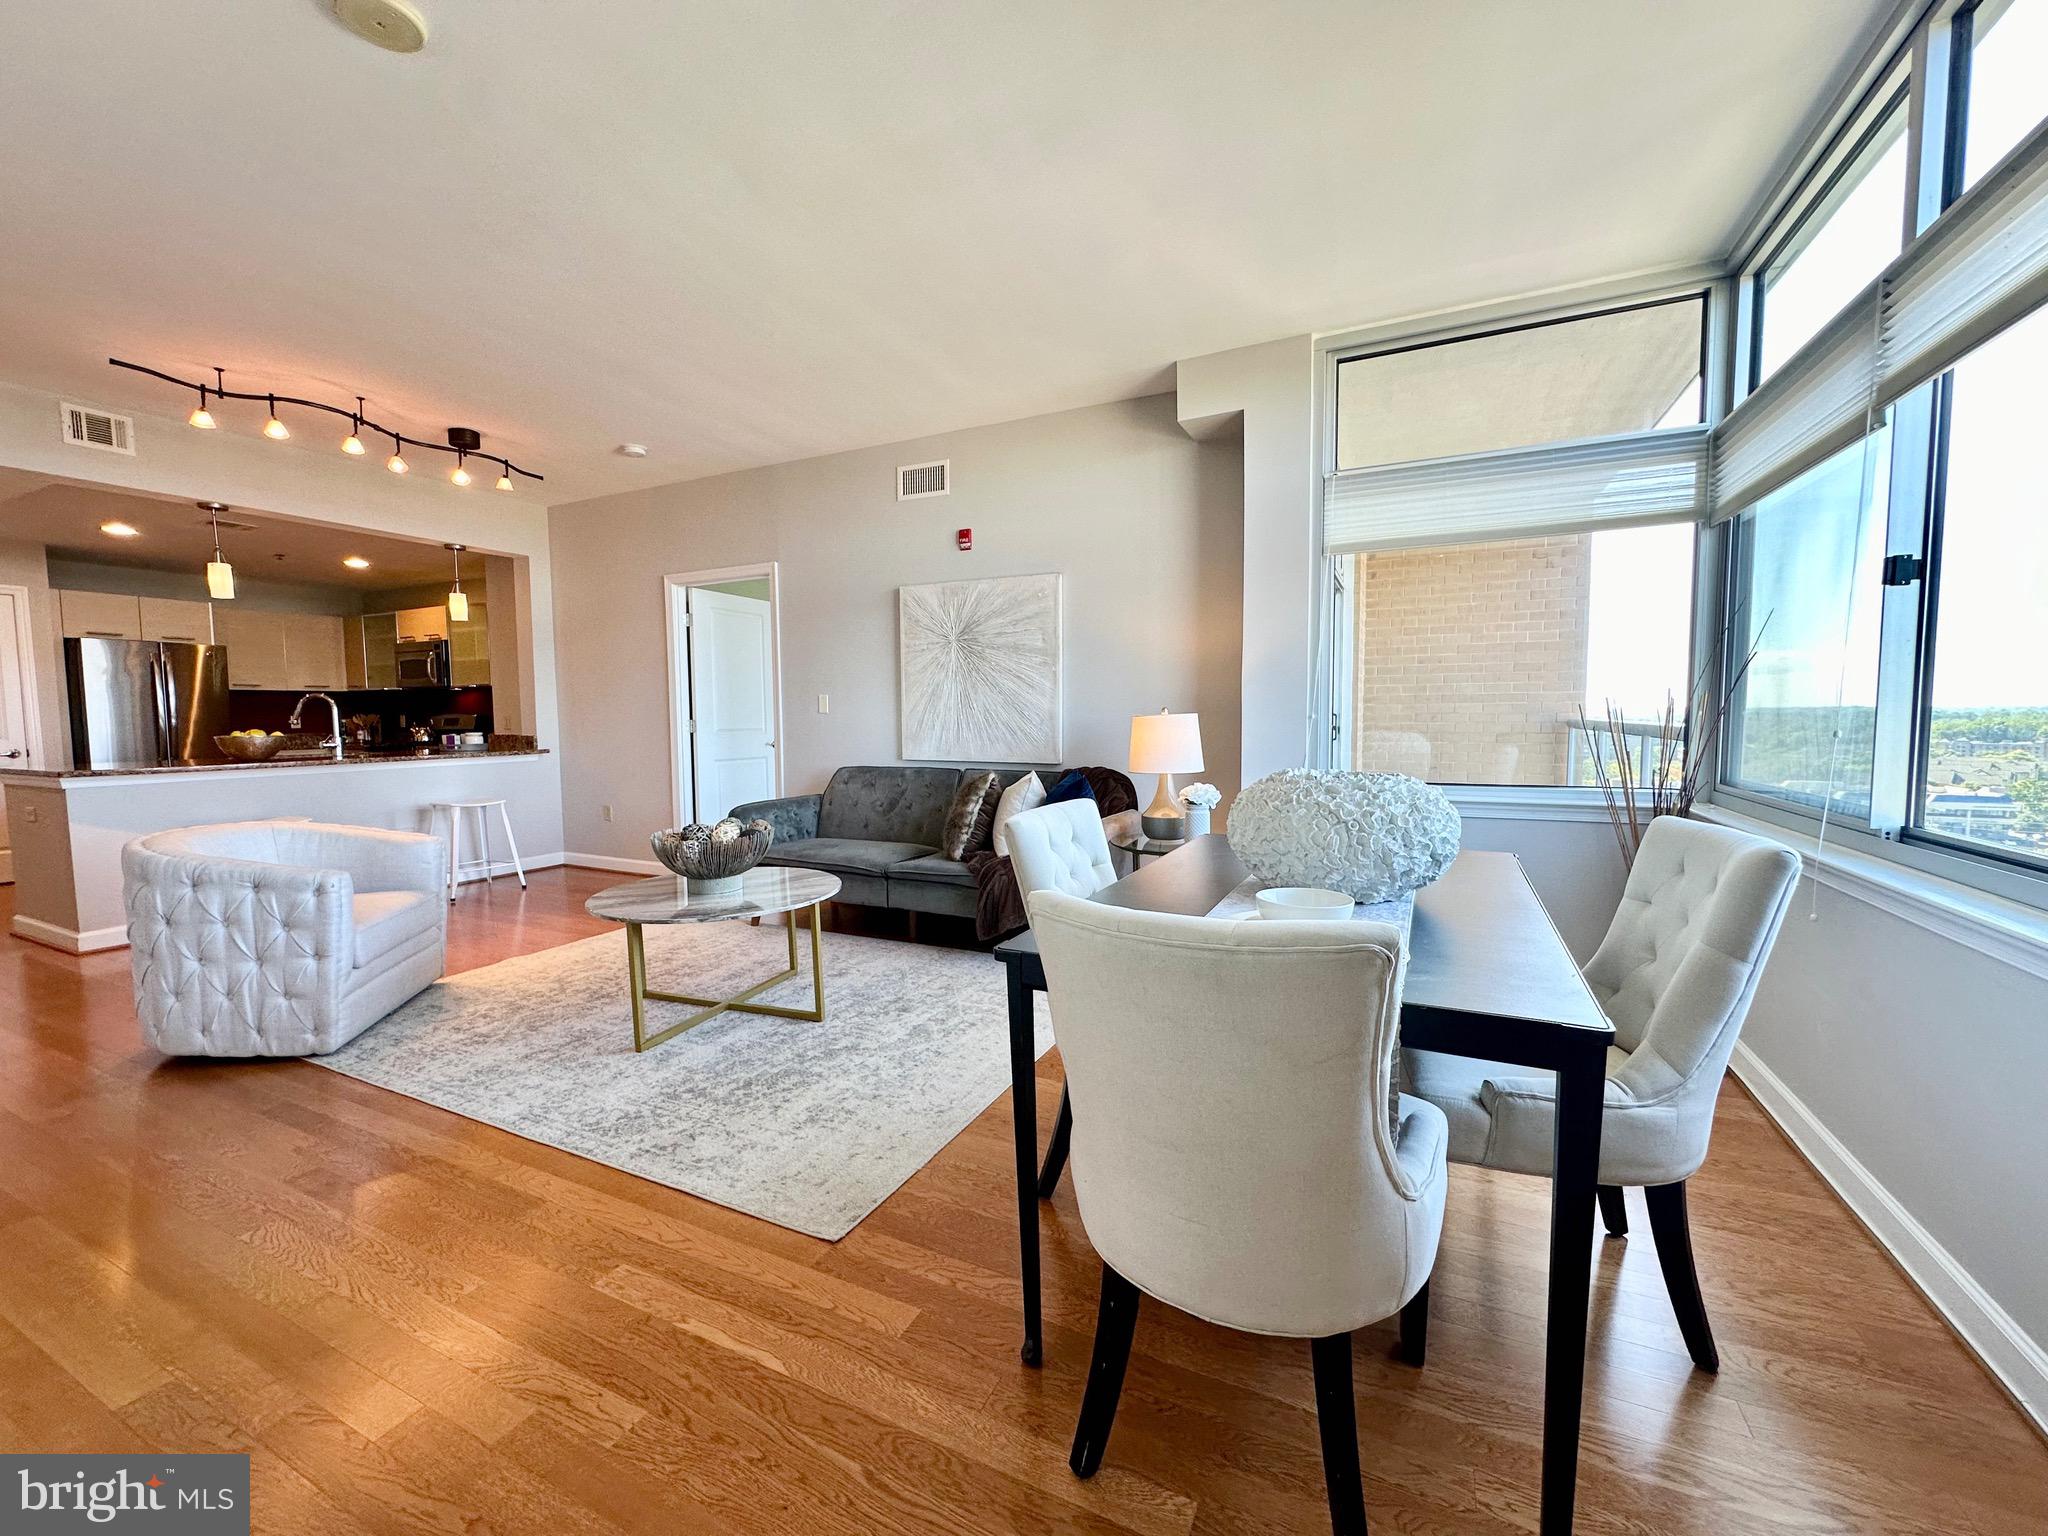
732	693
17	704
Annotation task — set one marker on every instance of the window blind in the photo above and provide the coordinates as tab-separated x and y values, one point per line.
1977	269
1601	482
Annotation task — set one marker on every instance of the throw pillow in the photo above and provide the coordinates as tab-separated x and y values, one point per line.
972	815
1072	785
1027	794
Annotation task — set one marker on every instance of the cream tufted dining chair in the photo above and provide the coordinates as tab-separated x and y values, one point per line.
279	938
1235	1152
1061	847
1675	975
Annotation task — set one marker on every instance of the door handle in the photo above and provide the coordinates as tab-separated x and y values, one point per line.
16	752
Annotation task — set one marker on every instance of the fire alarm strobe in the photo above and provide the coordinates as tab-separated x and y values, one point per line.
965	538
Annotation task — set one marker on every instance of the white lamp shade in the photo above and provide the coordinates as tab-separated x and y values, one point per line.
1164	743
458	607
220	580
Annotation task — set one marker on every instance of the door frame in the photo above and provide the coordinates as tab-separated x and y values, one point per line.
32	707
675	598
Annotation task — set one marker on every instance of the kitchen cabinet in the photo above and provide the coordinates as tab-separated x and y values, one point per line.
174	618
423	623
313	651
469	650
255	642
353	661
380	650
102	615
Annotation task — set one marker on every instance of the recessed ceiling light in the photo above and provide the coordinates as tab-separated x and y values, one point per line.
355	562
120	530
633	450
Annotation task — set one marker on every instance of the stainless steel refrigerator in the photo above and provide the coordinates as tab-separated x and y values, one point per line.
146	703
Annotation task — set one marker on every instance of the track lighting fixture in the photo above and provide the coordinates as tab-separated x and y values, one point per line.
462	441
458	604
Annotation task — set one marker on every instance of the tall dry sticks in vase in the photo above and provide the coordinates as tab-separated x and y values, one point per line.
1683	758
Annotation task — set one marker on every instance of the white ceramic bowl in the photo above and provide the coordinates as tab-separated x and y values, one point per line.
1303	903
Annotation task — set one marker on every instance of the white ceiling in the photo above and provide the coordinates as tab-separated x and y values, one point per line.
745	233
174	535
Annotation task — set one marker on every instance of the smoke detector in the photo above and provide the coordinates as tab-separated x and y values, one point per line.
632	450
390	24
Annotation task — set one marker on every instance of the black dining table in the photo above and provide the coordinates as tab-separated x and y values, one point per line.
1488	977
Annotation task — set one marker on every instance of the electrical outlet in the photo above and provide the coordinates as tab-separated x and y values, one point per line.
824	703
606	812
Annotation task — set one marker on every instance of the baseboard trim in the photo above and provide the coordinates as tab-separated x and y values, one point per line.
2007	1350
72	941
616	866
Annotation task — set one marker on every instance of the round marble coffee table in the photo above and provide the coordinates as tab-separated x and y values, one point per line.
764	891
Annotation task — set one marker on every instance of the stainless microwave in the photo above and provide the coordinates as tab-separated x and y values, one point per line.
423	663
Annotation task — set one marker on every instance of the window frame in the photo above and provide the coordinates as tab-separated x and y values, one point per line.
1935	57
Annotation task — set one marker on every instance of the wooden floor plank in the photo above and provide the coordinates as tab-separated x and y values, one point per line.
415	1323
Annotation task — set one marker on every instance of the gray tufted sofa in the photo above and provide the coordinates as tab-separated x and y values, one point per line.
878	830
279	938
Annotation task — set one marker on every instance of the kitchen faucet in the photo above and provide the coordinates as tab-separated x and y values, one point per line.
334	712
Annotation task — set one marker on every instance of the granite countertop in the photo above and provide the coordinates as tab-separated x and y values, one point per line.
409	755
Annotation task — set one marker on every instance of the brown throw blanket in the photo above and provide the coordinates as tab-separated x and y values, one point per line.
998	904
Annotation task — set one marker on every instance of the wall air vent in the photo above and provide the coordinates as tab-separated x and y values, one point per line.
916	481
85	427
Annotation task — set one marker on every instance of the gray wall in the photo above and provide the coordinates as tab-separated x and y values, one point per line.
1143	522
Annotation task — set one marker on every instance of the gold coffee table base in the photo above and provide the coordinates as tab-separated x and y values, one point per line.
636	970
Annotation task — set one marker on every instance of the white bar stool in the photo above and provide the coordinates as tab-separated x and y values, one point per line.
483	809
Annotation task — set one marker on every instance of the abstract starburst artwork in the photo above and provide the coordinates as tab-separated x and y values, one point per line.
980	669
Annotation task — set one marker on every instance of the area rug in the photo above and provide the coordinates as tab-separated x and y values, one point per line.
810	1126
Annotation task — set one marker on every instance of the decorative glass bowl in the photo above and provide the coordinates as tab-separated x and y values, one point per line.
250	749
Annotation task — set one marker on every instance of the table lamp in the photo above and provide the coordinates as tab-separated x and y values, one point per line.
1165	744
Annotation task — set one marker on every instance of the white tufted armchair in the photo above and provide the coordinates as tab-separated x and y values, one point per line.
1675	975
1060	847
279	938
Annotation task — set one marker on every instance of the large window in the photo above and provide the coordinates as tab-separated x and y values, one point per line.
1805	639
1838	245
1894	595
1985	752
1492	605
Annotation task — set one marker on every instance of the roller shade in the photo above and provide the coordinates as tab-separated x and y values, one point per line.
1601	482
1811	408
1976	270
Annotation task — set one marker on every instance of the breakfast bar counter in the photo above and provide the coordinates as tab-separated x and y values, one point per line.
67	825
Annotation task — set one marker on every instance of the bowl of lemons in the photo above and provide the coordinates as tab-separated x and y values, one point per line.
251	746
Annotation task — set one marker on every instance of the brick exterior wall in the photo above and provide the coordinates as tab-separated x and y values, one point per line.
1470	659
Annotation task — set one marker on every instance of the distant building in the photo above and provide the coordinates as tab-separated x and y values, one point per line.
1976	813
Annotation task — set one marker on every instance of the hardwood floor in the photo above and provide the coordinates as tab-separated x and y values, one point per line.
415	1323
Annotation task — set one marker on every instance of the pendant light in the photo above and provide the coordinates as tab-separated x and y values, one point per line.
353	443
220	576
460	474
202	418
396	463
458	604
274	429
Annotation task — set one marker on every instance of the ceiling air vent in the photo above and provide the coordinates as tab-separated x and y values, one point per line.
85	427
915	481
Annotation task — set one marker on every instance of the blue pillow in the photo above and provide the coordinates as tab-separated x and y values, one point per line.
1072	785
